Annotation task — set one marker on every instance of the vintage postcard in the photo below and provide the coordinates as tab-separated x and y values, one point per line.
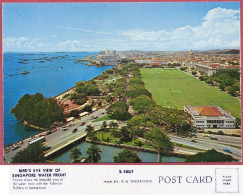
156	84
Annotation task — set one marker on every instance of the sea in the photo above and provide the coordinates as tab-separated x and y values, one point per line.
49	73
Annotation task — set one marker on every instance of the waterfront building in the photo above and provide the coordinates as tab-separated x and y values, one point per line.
210	117
108	57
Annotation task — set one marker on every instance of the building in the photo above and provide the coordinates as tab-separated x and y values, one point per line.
108	57
210	117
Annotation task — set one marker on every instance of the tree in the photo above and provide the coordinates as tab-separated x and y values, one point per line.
232	91
119	111
135	92
125	134
93	154
74	113
210	156
138	124
88	88
238	123
141	102
160	141
75	154
89	129
88	108
127	156
34	153
103	128
38	110
113	125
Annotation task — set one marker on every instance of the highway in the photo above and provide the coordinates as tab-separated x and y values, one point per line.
59	136
205	143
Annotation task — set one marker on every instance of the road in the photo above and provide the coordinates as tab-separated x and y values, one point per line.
223	139
205	143
58	136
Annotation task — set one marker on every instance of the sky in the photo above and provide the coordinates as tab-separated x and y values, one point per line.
46	27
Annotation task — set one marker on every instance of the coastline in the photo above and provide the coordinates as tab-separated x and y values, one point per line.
82	75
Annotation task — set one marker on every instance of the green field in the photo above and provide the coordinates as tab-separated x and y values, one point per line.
176	89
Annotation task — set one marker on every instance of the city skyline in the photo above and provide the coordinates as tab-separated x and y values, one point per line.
122	26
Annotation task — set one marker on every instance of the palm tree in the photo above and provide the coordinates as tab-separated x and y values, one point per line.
93	154
89	129
103	128
75	154
113	125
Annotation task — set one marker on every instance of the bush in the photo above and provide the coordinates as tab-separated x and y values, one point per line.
183	68
220	133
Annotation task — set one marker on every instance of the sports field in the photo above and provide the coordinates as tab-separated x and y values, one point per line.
176	89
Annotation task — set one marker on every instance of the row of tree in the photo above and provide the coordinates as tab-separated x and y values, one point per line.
228	81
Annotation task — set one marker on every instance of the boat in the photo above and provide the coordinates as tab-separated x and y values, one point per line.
25	72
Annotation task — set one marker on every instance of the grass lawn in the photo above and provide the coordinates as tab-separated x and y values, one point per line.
185	146
114	140
103	118
176	89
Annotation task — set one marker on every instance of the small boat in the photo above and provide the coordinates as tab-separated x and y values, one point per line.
25	72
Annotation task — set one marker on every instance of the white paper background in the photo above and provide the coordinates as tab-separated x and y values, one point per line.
89	179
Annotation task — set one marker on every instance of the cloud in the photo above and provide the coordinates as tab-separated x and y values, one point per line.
76	29
220	29
14	42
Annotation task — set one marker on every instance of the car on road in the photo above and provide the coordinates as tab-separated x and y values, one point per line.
83	123
205	135
48	132
193	140
65	129
92	117
214	138
15	147
227	150
96	117
74	130
47	148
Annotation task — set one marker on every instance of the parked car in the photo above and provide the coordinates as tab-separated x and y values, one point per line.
227	150
15	147
74	130
193	140
65	129
215	138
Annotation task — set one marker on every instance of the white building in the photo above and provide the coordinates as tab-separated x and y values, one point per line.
210	117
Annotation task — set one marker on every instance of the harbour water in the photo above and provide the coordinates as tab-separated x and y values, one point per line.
108	152
49	74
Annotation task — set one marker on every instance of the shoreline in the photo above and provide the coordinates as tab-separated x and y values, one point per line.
39	129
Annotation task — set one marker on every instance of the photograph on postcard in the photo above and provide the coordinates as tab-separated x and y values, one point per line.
134	82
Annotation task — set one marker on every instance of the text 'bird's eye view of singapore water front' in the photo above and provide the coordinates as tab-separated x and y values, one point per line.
134	82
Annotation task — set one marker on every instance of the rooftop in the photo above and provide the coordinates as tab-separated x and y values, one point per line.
207	111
